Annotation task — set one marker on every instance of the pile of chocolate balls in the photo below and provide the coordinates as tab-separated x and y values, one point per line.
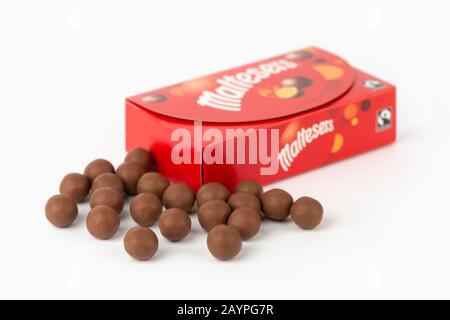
228	218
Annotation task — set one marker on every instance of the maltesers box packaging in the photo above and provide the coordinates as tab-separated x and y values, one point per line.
266	120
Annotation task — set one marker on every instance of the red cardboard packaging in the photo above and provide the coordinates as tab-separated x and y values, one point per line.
267	120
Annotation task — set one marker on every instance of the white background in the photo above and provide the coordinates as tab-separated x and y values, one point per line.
65	70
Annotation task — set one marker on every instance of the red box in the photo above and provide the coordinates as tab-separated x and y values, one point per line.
267	120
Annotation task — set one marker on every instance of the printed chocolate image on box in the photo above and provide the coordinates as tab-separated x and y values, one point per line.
265	121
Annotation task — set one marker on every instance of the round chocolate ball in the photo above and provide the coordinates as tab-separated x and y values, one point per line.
299	55
141	243
107	197
251	186
179	195
307	213
145	209
365	105
110	180
174	224
130	173
140	156
224	242
276	204
76	186
213	213
153	182
246	220
97	167
61	210
102	222
244	199
210	191
154	98
300	82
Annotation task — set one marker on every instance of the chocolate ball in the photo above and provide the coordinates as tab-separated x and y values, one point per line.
174	224
130	173
299	55
141	243
246	220
154	98
61	210
76	186
213	213
140	156
224	242
153	182
307	213
110	180
97	167
365	105
276	204
210	191
107	197
251	186
244	199
145	209
300	82
179	195
102	222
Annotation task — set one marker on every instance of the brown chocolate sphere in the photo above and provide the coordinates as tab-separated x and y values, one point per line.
141	243
97	167
110	180
276	204
61	210
179	195
224	242
213	213
107	197
142	157
251	186
130	173
307	213
145	209
153	182
102	222
244	199
76	186
174	224
210	191
246	220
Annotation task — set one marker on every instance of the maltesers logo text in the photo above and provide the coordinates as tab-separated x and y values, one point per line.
228	96
290	151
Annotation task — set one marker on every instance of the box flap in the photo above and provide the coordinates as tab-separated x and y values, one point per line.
272	88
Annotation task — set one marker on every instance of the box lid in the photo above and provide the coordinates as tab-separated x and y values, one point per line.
272	88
